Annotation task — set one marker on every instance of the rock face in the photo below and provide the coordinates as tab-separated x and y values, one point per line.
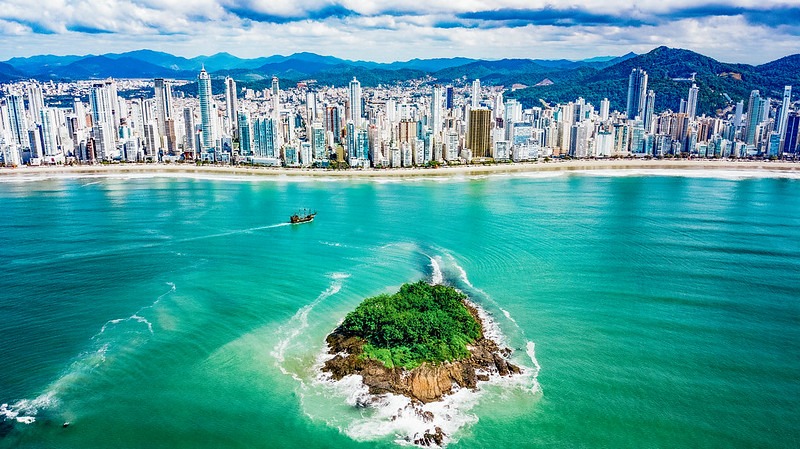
425	383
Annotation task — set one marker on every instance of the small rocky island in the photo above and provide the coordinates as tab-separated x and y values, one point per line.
422	342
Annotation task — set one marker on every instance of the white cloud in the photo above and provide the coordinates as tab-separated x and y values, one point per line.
382	29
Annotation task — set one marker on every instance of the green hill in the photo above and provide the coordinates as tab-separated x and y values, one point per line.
420	323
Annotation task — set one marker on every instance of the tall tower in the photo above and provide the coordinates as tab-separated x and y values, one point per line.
737	117
637	88
35	101
691	103
163	95
476	93
18	120
605	105
311	107
102	99
189	133
355	102
276	98
792	133
231	105
48	131
479	132
448	100
753	117
436	111
649	110
787	102
206	120
245	134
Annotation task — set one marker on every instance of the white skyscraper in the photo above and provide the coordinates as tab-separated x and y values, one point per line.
163	96
231	105
691	104
102	98
605	105
18	121
436	111
206	119
784	117
355	102
35	101
476	93
49	131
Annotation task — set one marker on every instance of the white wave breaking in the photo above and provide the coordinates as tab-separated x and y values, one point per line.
367	417
299	322
25	410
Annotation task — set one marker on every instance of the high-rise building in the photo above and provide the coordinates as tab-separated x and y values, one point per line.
755	111
448	97
649	110
18	121
436	111
35	101
637	93
311	107
48	131
318	141
208	136
479	132
265	136
605	105
102	99
784	114
333	122
737	117
245	133
231	105
355	102
189	133
476	93
163	96
691	103
792	134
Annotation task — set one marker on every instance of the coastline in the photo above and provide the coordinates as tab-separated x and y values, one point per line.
446	171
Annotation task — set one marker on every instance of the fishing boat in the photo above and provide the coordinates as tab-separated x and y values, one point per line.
302	217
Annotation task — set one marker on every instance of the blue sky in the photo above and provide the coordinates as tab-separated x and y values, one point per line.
385	30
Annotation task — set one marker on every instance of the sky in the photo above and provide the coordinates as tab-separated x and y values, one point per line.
748	31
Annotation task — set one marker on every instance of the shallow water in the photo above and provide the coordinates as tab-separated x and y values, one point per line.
182	312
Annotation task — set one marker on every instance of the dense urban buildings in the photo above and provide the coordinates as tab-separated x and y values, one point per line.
420	123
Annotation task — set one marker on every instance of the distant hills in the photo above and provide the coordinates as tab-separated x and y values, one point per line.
562	80
295	67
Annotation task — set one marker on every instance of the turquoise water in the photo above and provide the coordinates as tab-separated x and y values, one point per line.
662	311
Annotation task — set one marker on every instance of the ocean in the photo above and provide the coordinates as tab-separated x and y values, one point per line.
647	309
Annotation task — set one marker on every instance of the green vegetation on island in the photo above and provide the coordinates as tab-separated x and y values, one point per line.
420	323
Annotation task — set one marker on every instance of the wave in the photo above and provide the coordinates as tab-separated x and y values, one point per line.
84	365
699	172
299	323
436	270
348	406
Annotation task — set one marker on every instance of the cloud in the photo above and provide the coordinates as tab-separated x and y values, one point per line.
391	29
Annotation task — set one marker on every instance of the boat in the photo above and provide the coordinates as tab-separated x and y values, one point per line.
302	217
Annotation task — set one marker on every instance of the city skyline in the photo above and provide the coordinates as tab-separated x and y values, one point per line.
736	32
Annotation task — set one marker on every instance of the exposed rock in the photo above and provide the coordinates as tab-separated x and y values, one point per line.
428	439
426	383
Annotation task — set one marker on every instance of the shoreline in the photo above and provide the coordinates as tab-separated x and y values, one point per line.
443	172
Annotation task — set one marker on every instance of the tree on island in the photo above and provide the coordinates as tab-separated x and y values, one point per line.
420	323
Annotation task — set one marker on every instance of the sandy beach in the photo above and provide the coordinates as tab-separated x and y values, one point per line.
463	170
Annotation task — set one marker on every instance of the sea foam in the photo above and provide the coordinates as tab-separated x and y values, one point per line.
398	418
